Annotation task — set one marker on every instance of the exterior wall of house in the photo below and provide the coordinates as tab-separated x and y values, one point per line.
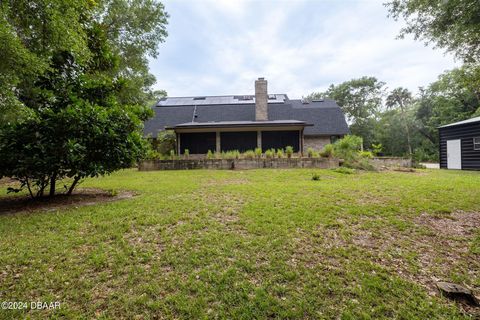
466	133
315	142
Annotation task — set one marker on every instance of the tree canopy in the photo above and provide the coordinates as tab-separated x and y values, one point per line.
76	87
453	25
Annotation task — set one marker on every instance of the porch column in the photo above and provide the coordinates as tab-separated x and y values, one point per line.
178	143
259	139
301	141
217	141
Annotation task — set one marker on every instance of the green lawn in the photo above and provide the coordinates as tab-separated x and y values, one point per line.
250	244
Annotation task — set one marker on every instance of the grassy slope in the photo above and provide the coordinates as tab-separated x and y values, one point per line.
251	244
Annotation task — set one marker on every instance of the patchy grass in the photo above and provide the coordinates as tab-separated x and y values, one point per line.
250	244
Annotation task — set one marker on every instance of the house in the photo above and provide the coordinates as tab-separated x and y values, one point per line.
459	145
245	122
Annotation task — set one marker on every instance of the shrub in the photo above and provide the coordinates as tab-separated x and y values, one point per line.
347	148
186	153
269	154
166	141
249	154
327	151
172	155
315	177
360	164
258	153
280	153
310	152
289	151
344	170
76	141
366	154
377	149
210	155
153	155
230	155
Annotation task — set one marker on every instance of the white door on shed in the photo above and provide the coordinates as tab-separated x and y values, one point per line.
454	154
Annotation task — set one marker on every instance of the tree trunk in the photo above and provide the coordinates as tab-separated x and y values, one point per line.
29	189
53	180
74	184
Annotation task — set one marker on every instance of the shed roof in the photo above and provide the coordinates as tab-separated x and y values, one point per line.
472	120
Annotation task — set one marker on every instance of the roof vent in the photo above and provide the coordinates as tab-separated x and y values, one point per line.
305	101
318	100
199	98
272	97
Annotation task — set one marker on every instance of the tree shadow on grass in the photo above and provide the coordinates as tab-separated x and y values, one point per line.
81	197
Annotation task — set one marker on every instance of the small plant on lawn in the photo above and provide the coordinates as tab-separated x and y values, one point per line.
210	155
186	153
289	151
249	154
269	154
280	153
315	177
258	153
327	151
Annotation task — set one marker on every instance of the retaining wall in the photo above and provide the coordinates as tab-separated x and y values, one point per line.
379	162
241	164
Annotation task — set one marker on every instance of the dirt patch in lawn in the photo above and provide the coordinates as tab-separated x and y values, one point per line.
81	197
433	249
457	224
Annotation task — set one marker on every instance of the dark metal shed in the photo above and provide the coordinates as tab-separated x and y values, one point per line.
459	145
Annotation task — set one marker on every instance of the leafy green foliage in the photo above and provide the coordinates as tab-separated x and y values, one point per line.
280	153
315	177
360	100
327	151
289	151
210	155
269	154
452	25
166	141
258	152
377	148
81	100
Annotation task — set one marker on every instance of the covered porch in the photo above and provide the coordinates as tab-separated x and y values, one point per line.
200	137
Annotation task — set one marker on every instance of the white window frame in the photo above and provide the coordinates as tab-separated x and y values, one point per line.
476	143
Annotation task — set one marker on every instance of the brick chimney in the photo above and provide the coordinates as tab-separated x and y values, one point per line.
261	100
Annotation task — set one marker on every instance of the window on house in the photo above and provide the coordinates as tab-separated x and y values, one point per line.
476	143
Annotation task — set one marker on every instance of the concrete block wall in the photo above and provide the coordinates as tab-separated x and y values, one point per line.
240	164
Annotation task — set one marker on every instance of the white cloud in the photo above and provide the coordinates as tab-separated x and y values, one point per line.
299	46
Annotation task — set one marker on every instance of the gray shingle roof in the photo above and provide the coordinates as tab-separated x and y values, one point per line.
326	116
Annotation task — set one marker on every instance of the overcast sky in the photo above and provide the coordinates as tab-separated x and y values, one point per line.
220	47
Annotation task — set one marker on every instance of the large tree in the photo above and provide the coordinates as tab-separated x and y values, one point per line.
452	24
360	100
402	99
85	100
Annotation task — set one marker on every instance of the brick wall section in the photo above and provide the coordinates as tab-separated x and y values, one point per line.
315	142
241	164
